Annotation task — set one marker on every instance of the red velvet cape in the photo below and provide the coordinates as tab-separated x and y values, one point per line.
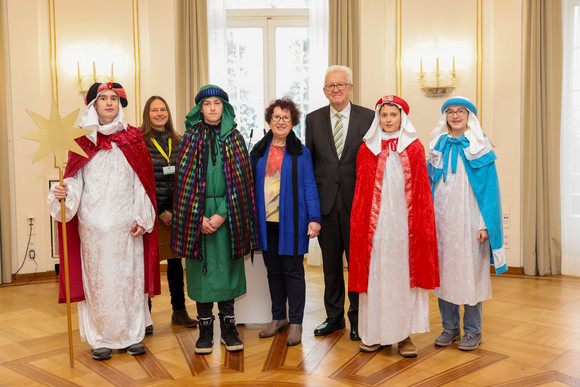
131	143
423	257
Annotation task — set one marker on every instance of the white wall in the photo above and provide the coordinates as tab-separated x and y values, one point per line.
103	31
138	37
427	25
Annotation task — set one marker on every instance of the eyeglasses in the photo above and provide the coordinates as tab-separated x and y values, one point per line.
339	86
277	118
459	112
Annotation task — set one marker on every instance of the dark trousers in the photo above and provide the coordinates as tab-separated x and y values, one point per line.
334	240
285	279
175	281
204	309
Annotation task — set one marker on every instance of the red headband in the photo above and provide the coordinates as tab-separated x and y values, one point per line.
120	91
393	99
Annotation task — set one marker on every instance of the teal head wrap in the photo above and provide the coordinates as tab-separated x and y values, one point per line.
228	114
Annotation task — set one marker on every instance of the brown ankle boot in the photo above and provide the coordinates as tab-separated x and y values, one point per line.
180	317
294	334
407	348
274	327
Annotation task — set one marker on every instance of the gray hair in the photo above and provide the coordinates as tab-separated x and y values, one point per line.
344	69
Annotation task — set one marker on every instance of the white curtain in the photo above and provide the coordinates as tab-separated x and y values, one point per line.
318	32
217	43
570	139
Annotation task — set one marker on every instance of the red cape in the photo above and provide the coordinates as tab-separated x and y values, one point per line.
423	257
131	143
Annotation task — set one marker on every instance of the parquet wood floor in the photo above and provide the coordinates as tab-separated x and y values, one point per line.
531	336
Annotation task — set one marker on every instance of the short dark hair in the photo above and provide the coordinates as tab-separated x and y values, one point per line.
284	104
390	104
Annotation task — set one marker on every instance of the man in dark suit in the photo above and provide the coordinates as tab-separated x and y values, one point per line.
333	135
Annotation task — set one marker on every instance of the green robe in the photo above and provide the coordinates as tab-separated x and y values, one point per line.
225	278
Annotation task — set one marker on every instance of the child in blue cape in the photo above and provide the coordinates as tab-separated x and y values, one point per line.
468	215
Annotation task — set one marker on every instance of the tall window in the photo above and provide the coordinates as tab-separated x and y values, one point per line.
570	140
267	55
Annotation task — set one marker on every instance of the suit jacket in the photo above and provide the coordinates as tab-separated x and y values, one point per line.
331	173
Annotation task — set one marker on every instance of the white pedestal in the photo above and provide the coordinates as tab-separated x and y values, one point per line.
255	306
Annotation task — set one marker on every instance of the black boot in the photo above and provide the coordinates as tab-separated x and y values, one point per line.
204	344
230	335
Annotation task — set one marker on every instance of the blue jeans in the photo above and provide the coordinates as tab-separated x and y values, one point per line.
450	316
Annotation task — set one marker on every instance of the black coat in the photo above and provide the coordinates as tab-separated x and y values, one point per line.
163	183
331	173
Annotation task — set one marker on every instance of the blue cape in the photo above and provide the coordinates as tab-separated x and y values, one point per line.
483	179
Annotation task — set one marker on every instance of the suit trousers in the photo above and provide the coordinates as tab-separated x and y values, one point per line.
285	279
334	240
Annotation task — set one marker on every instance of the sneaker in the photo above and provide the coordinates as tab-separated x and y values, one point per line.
180	317
136	349
368	348
102	353
447	337
470	341
407	348
204	343
149	329
230	335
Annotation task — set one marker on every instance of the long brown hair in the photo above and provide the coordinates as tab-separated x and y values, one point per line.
147	127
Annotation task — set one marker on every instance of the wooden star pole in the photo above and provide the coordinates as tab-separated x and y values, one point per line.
57	135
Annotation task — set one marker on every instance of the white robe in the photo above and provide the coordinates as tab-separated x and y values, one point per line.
390	310
108	197
463	261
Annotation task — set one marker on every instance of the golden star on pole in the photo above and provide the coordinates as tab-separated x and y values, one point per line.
56	135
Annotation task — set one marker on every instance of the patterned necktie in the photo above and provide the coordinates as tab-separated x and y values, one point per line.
337	134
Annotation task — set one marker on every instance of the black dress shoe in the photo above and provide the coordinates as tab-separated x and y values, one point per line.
354	332
328	326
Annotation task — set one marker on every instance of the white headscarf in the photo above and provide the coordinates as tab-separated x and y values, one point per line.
474	134
90	120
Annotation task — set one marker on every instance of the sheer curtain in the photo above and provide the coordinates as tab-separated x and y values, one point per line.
318	52
570	139
217	43
318	48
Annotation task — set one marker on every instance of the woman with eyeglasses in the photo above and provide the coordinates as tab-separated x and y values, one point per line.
288	213
468	216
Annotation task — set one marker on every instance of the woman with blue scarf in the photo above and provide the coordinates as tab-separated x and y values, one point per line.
468	215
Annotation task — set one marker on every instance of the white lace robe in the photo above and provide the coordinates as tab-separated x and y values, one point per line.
390	310
463	261
108	196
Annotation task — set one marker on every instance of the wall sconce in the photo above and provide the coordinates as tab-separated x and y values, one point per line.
437	83
85	81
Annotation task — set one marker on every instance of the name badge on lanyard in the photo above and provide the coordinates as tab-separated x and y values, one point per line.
169	170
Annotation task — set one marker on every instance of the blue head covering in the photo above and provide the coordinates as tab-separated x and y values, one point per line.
228	114
459	101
